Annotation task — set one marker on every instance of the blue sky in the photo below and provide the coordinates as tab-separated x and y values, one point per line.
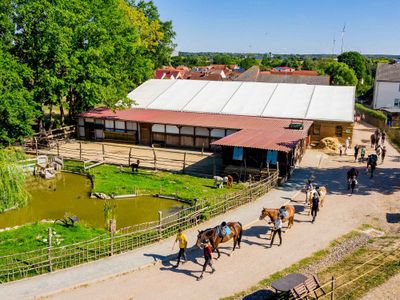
284	26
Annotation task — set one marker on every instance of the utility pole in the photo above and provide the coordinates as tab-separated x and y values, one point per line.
343	32
333	46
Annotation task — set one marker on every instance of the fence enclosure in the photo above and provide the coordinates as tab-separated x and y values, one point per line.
47	259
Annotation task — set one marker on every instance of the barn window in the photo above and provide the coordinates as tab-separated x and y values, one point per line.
109	124
397	102
316	129
339	131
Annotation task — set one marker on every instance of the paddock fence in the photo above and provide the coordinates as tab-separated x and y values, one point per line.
190	162
53	257
348	284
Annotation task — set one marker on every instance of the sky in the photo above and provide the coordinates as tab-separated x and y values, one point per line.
284	26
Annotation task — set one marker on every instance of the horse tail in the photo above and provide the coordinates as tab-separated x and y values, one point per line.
240	233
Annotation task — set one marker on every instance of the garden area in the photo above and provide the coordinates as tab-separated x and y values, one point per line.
114	180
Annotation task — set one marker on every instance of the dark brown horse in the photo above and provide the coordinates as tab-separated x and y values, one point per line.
212	235
273	214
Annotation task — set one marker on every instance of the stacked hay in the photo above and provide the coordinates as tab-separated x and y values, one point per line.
329	144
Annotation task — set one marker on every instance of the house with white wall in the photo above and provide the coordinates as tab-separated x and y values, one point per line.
387	86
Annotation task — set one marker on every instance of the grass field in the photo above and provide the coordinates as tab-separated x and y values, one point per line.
109	179
34	236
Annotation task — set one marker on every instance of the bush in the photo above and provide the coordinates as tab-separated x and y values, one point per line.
375	113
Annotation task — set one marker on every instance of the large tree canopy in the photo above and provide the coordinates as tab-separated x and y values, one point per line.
341	74
84	53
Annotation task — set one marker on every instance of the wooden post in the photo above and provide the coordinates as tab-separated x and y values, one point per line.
49	242
103	150
58	149
80	150
202	150
36	145
112	231
184	162
250	188
214	167
155	158
129	157
333	285
160	224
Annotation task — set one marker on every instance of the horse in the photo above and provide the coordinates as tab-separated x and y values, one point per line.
273	214
218	182
373	140
229	183
352	182
322	191
212	235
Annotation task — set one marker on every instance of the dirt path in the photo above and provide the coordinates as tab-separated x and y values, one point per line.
374	202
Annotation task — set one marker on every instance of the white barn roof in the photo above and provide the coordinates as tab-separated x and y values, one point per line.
278	100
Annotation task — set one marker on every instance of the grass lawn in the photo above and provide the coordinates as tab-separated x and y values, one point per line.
109	179
34	236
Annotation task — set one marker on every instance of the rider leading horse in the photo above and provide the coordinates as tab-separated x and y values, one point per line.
212	234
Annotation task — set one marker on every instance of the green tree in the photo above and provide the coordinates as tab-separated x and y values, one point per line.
17	111
12	180
248	62
309	64
341	74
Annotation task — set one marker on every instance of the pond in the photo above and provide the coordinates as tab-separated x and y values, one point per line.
69	193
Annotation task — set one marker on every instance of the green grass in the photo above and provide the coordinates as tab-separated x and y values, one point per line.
31	237
109	179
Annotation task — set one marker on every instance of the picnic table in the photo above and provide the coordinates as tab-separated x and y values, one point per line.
285	284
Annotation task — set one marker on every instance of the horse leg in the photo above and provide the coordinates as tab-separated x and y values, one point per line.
234	245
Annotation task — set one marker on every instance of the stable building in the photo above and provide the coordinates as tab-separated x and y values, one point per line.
253	124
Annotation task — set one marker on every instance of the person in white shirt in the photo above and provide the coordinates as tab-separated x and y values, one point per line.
277	230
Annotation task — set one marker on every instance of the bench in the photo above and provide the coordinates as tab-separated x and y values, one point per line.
310	289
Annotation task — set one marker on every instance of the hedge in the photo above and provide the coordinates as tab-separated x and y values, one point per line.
375	113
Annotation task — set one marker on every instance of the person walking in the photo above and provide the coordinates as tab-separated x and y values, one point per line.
383	137
340	149
356	150
182	239
277	230
363	153
383	154
207	250
314	206
347	143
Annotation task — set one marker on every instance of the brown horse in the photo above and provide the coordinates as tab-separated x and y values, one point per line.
273	214
212	235
322	194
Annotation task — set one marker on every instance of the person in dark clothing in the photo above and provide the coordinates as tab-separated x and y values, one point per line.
277	230
389	120
314	206
207	249
383	154
356	150
371	163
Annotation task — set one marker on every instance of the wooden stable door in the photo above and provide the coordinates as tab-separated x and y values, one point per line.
145	134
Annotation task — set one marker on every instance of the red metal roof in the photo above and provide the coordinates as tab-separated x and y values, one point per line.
258	132
278	139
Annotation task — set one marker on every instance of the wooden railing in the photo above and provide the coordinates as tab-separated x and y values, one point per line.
50	258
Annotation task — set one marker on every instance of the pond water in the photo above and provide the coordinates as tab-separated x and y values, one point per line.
69	193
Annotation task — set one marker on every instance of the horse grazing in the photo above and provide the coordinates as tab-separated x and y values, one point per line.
135	167
212	235
273	214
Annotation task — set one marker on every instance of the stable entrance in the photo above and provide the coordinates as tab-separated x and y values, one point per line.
145	134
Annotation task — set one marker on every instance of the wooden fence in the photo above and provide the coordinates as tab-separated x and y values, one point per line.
191	162
50	258
343	286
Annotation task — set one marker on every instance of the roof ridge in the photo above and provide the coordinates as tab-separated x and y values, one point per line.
309	103
151	102
269	100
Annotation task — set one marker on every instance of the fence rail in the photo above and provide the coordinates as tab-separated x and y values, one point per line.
47	259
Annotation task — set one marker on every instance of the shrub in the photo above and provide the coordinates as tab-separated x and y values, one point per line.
375	113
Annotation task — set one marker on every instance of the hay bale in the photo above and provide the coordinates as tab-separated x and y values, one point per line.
330	144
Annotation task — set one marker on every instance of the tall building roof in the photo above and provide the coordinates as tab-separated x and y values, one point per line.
388	72
276	100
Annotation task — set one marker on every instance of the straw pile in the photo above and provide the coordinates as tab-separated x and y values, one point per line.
329	144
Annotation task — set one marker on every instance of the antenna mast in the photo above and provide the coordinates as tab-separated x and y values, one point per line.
343	32
333	46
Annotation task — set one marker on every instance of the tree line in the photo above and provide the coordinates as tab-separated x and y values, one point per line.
70	55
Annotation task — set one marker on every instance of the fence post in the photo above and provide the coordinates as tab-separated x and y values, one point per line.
129	157
333	285
36	145
160	224
80	150
202	150
103	150
184	162
49	244
250	189
112	230
214	167
155	158
58	149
